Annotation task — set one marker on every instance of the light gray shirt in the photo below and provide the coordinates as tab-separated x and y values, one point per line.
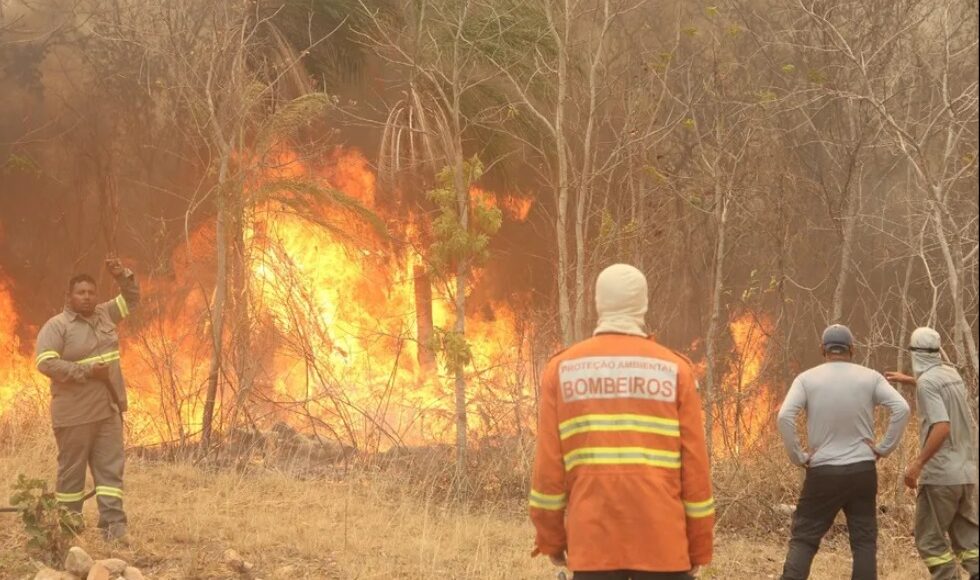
941	397
840	399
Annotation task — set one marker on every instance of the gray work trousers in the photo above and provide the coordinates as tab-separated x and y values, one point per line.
98	446
946	529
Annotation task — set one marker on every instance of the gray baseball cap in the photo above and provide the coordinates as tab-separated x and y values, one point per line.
837	339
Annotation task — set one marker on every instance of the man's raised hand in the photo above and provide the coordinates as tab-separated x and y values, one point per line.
114	266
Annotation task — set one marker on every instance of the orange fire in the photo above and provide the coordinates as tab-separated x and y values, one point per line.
333	326
350	315
15	365
744	405
517	208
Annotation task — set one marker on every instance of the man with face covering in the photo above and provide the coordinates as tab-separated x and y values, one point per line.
945	471
621	486
79	351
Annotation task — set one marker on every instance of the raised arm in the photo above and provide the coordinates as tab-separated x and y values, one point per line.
129	291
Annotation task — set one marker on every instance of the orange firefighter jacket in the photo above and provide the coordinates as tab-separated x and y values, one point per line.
621	474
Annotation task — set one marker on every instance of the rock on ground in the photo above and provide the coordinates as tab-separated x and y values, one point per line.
51	574
115	566
131	573
98	572
236	562
78	562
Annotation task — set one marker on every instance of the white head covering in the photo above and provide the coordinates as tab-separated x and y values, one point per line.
621	300
925	338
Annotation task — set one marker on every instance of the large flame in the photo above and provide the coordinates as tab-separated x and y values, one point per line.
15	365
744	405
332	312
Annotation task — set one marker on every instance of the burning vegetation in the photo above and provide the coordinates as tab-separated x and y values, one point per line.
340	322
373	223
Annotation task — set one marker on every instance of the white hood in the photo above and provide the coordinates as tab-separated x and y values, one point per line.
925	337
621	300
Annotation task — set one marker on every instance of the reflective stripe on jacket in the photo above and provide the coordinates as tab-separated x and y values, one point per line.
67	347
621	475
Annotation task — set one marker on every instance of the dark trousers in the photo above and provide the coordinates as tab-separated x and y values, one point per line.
632	575
826	491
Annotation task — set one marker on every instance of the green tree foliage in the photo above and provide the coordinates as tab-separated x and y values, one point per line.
457	241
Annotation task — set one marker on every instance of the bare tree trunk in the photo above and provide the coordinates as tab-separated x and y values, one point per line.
217	308
561	148
966	347
423	318
714	321
462	277
585	182
903	334
241	305
578	320
847	248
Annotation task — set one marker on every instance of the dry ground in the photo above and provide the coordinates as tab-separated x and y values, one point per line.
183	518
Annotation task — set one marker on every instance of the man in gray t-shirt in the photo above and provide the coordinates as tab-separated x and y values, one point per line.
839	398
945	470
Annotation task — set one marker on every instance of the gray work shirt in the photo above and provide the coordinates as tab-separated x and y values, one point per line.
839	399
69	345
941	397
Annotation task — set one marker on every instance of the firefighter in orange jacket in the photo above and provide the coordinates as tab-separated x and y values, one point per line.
621	486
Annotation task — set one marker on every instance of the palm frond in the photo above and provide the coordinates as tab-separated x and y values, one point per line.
304	196
290	118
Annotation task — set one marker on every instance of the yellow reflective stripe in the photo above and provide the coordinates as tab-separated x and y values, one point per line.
699	509
69	497
969	554
546	501
934	561
109	491
622	456
46	355
105	357
123	307
620	422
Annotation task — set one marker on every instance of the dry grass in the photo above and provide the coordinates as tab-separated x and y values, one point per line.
368	525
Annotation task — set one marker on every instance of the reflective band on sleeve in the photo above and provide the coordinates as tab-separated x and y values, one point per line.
933	561
969	555
108	491
46	355
620	422
622	456
123	307
69	497
106	357
545	501
699	509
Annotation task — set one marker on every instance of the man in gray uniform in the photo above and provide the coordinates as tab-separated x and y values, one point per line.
839	398
945	470
79	351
